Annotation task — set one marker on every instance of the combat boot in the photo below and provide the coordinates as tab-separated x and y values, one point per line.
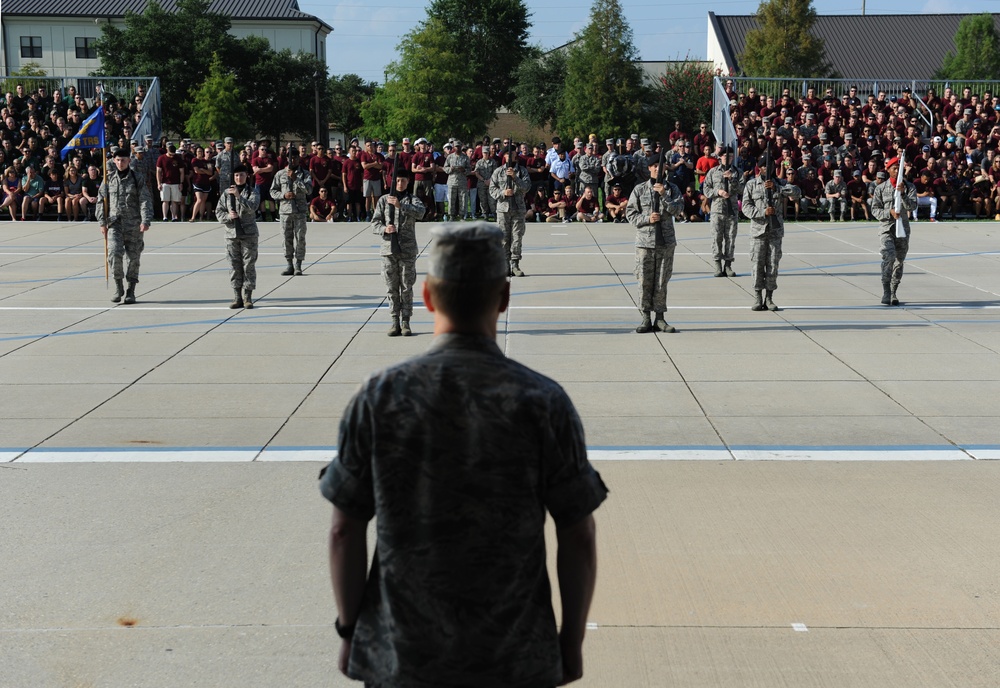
662	325
119	291
395	330
771	306
758	304
886	294
646	325
290	270
515	269
130	293
892	297
404	328
718	269
729	269
298	268
247	298
237	299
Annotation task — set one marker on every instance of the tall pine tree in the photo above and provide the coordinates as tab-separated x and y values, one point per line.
604	91
782	45
978	55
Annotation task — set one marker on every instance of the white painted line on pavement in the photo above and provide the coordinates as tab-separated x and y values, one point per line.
324	455
140	456
865	454
800	627
985	454
659	455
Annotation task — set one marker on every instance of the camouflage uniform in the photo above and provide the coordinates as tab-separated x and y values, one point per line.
588	170
654	243
293	212
641	167
510	211
399	270
224	163
765	251
485	166
455	166
835	206
893	249
129	205
241	248
725	211
458	593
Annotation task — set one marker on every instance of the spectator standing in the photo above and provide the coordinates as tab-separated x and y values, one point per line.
264	165
456	166
169	178
372	164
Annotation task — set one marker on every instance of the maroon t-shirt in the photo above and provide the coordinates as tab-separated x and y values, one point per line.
368	158
263	160
586	206
319	167
199	171
170	169
615	200
321	205
422	160
352	174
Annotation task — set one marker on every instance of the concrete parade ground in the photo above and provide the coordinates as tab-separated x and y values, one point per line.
809	497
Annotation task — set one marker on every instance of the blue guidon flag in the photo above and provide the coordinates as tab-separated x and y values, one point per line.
91	133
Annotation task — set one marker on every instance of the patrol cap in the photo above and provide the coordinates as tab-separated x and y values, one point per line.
881	174
467	252
609	142
121	153
496	140
837	173
634	137
392	143
644	142
140	149
848	135
228	139
149	137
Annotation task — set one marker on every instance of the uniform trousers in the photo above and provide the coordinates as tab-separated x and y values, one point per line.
294	227
653	269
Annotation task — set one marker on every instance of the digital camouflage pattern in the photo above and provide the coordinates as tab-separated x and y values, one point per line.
510	211
837	207
129	205
654	243
725	212
486	166
241	249
294	211
894	249
456	166
765	247
458	593
399	271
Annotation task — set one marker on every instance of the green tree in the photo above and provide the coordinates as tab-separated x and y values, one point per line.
218	108
429	91
176	46
31	75
282	92
538	91
345	95
683	92
492	35
978	46
782	45
604	90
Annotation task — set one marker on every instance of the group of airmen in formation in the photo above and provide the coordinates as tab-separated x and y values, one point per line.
652	205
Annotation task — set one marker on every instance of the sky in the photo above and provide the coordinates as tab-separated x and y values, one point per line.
365	35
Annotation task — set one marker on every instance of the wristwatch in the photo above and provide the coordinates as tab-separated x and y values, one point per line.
345	632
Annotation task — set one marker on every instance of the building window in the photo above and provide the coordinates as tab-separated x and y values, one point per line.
86	48
31	46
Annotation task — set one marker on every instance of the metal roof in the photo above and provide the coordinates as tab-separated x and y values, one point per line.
234	9
865	46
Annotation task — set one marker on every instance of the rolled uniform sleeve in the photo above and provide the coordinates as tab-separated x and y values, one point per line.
573	489
347	480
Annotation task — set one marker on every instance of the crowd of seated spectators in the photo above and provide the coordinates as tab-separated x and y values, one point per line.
954	163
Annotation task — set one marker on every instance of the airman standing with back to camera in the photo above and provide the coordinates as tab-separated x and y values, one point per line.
508	185
237	210
722	187
655	243
291	187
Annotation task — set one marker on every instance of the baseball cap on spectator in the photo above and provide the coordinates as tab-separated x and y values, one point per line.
406	139
857	173
616	185
925	148
634	137
788	120
392	143
837	173
937	139
881	174
228	139
420	140
967	111
848	135
609	142
556	139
